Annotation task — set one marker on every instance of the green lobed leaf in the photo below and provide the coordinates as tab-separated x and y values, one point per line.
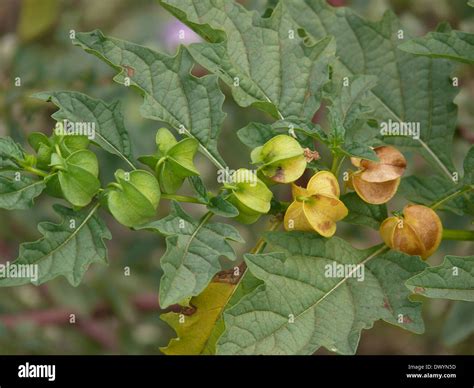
428	190
359	150
468	177
453	279
192	255
258	57
455	45
222	207
200	188
257	134
10	153
348	102
171	93
66	249
299	309
349	113
110	132
410	89
306	131
246	285
362	213
219	205
18	191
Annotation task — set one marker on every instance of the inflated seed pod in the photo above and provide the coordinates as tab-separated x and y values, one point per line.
249	195
377	182
173	161
316	208
134	197
418	232
281	159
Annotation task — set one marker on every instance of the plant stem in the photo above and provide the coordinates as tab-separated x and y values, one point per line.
336	164
58	150
182	198
36	171
460	235
451	196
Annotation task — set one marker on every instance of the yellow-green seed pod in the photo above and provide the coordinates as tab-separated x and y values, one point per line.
249	195
316	208
281	159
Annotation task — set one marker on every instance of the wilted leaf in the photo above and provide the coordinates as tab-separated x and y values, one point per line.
194	332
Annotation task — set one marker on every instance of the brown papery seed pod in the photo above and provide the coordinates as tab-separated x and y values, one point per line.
377	182
418	232
391	165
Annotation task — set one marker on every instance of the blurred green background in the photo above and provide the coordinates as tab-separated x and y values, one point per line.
118	314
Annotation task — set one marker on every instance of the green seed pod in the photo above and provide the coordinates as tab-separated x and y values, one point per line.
76	177
71	143
249	195
43	148
173	161
134	198
281	159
